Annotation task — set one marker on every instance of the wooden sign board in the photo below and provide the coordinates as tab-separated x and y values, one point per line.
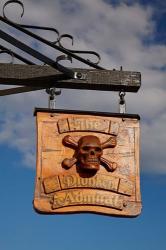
87	162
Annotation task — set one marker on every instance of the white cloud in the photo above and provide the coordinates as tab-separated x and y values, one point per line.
154	142
120	34
17	131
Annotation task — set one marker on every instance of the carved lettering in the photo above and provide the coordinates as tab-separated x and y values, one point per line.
82	124
86	197
99	181
104	182
88	125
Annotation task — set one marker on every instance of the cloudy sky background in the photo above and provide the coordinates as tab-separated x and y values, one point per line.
125	33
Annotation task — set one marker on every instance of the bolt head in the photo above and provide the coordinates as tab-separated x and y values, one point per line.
79	75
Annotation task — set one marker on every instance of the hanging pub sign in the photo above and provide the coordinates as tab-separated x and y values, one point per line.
87	162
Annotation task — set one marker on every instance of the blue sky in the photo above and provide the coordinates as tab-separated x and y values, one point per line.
22	228
128	33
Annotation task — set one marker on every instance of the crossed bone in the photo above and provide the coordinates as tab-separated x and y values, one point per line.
71	143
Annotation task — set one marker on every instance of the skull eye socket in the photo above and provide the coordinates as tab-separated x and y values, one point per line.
86	148
97	149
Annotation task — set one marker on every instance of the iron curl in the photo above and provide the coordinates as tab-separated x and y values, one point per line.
13	1
9	52
78	51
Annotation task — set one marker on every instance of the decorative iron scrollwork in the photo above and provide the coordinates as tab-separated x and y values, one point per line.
30	26
57	44
78	51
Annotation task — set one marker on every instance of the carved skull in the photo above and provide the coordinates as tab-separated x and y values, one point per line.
89	152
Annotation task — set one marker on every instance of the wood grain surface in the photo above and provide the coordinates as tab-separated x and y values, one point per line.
45	76
76	190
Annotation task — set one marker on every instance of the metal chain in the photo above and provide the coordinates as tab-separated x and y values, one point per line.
52	92
122	102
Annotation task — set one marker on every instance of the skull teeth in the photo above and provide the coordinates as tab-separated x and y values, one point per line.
92	160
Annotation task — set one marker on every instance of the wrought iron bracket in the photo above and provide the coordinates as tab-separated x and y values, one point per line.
31	79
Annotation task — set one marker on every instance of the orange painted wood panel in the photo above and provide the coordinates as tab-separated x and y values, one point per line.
87	163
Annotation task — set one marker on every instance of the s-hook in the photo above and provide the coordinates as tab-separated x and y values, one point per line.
52	92
122	102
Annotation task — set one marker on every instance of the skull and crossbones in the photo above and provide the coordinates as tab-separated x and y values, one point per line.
88	153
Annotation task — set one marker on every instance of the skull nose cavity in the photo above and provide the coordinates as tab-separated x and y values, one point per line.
92	152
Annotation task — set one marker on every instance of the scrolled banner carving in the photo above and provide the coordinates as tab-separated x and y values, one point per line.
109	183
82	124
